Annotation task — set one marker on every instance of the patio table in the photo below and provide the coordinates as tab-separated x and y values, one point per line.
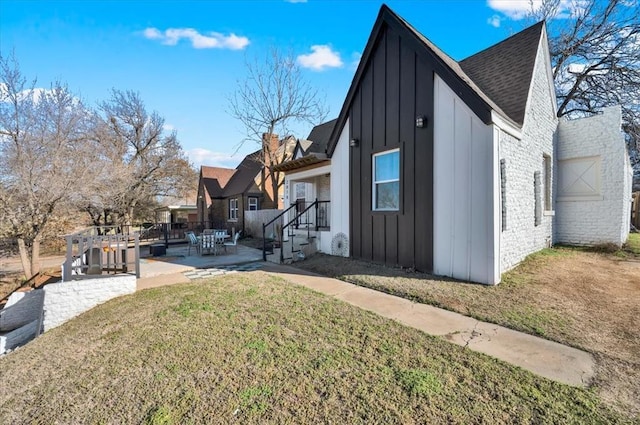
212	241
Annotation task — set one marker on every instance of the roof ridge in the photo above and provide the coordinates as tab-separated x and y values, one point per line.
502	42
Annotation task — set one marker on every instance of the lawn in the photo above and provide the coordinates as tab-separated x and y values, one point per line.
250	348
575	296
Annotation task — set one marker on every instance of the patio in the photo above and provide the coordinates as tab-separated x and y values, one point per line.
178	260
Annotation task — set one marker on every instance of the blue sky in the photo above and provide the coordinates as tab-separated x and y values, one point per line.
185	58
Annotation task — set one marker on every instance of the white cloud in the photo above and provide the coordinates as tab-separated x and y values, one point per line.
321	58
200	156
168	127
518	9
494	21
211	40
355	60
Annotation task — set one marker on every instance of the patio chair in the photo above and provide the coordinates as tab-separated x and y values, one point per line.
219	237
192	240
233	243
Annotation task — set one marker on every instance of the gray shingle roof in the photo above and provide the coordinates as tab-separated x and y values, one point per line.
503	71
244	175
319	137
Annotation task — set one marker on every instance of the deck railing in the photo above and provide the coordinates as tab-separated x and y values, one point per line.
101	250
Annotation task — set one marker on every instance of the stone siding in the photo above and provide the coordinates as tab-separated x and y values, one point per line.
603	218
63	301
323	188
523	158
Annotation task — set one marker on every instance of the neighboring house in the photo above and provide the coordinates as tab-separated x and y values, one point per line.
224	194
461	168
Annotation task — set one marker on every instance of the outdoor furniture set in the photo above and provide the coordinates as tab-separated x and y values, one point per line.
213	241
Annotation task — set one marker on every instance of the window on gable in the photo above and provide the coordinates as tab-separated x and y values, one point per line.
233	209
386	181
253	203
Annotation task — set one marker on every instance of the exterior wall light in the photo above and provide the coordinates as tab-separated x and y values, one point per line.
353	143
421	121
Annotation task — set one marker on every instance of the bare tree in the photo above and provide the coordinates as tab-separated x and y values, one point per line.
143	161
44	159
273	96
595	55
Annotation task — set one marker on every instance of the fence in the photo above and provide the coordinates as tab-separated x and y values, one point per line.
635	210
253	221
100	250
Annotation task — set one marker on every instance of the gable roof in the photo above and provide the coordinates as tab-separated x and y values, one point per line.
319	137
245	174
517	54
449	70
215	179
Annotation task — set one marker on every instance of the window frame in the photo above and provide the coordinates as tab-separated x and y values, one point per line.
374	183
250	204
233	209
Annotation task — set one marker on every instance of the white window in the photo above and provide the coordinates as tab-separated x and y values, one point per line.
233	209
253	203
386	181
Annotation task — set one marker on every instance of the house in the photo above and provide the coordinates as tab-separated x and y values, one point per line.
224	194
461	168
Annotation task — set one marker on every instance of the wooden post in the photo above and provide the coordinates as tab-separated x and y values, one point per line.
68	262
136	239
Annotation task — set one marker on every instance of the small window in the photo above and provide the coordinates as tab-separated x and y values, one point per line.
386	181
233	209
546	169
253	204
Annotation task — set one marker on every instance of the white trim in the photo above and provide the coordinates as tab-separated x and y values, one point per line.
374	182
506	126
314	172
249	204
234	209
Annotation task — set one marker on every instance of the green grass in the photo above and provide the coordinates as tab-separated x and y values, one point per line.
253	349
633	244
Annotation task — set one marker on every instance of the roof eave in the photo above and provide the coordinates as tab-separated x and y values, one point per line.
307	160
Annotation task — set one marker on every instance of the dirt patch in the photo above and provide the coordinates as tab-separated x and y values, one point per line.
584	299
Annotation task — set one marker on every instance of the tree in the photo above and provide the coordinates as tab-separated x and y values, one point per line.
143	162
595	55
44	158
272	97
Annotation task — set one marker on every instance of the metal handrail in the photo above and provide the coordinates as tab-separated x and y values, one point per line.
264	232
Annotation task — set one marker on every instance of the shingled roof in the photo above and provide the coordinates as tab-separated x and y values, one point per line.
215	179
244	175
319	136
504	70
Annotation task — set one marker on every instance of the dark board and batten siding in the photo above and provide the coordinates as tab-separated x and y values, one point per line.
396	87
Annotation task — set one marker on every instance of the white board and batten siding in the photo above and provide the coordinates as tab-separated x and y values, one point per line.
339	189
465	182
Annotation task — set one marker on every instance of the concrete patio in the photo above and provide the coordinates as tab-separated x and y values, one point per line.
178	259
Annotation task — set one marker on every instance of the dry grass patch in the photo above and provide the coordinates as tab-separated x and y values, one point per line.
249	348
581	298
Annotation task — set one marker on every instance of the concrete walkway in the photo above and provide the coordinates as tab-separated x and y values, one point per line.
545	358
540	356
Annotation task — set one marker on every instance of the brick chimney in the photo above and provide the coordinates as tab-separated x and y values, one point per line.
269	147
